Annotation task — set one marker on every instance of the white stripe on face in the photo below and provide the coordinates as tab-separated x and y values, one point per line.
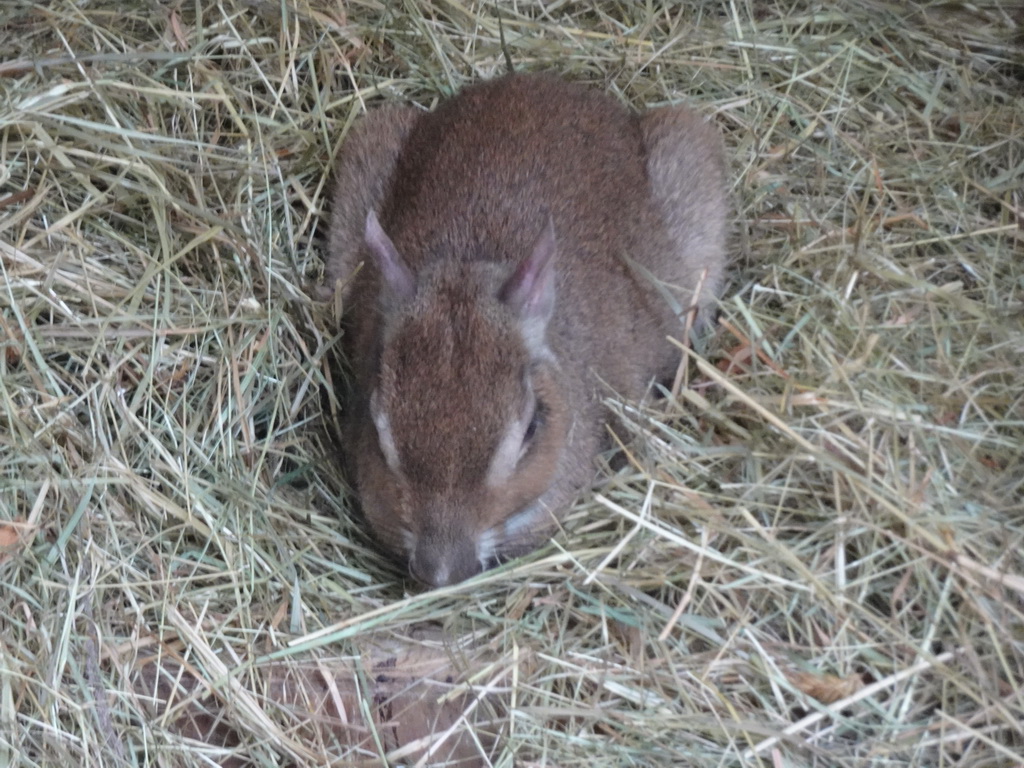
386	439
510	448
529	518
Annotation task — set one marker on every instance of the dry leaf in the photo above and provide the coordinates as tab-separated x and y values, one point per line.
13	533
410	688
826	688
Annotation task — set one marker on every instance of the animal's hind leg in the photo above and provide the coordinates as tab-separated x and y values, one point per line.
686	169
361	180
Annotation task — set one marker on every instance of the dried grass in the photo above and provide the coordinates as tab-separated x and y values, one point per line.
813	557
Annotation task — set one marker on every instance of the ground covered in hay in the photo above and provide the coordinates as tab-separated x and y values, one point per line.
813	557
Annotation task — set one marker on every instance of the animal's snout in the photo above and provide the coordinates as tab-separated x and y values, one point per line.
440	559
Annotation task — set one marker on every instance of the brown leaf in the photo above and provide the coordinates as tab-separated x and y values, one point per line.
13	534
825	688
403	694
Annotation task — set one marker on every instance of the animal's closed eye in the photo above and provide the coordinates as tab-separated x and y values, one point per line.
535	424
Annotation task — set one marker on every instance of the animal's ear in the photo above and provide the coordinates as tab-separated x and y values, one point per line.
530	291
397	276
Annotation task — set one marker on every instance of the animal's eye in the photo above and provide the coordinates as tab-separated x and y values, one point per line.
536	422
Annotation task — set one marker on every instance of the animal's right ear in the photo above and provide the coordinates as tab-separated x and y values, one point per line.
397	276
530	291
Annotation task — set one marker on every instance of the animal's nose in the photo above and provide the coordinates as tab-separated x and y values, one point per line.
440	561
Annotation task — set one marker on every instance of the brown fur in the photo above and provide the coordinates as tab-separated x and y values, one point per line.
463	196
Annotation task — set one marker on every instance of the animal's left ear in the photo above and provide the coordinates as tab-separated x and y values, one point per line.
530	290
396	273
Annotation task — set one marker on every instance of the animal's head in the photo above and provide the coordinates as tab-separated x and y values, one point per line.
467	417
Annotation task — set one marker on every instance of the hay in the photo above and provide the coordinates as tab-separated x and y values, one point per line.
814	556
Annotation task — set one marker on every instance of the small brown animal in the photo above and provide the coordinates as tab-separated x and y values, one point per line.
498	261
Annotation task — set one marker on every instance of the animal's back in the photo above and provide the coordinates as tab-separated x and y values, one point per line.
478	178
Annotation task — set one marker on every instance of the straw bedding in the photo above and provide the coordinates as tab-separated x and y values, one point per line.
812	556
